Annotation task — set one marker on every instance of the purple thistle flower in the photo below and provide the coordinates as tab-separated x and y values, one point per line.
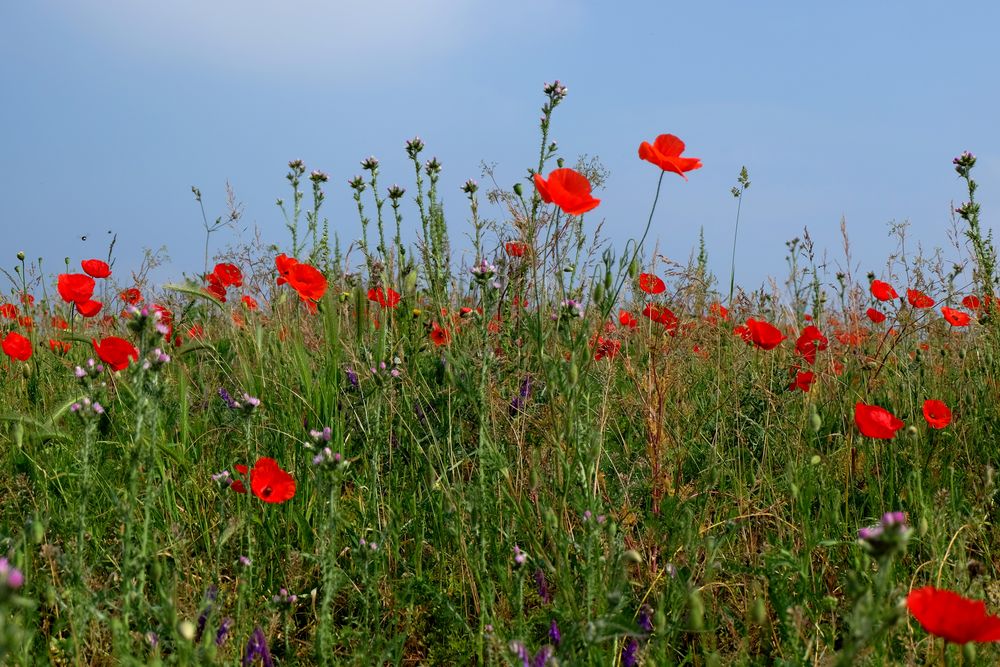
543	586
10	576
630	652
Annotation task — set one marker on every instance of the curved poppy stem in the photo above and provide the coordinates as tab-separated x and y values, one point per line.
638	246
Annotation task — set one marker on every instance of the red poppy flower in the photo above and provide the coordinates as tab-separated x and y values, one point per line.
883	291
936	413
88	308
229	274
954	618
972	302
385	298
95	268
665	153
216	287
651	284
59	323
439	335
606	347
918	299
956	318
567	189
875	316
28	299
16	346
270	483
764	335
26	321
9	311
743	332
249	302
803	381
131	296
809	342
515	249
284	264
59	346
75	287
876	422
115	352
627	319
308	281
720	310
663	316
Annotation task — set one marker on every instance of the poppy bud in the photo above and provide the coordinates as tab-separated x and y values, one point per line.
560	162
633	269
518	189
969	653
815	460
922	526
20	256
574	374
911	431
660	622
758	611
598	292
410	282
37	531
815	421
696	613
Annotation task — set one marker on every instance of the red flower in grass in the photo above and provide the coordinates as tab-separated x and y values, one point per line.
936	413
743	332
720	310
229	274
216	287
131	296
249	302
59	346
627	319
665	153
308	281
238	486
28	299
385	298
809	342
651	284
803	381
95	268
75	287
875	316
284	265
88	308
956	318
606	347
918	299
440	335
883	291
664	316
9	311
876	422
115	352
270	483
972	302
515	249
567	189
954	618
16	346
764	335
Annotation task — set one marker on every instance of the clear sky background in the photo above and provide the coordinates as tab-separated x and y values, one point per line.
112	109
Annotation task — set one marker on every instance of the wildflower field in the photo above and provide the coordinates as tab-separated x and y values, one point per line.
358	451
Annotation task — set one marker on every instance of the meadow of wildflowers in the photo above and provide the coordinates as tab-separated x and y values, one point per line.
565	453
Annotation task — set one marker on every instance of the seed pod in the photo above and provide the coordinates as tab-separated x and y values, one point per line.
633	269
696	612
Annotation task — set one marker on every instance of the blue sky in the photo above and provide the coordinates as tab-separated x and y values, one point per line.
114	109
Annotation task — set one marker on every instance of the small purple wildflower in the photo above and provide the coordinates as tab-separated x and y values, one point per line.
352	377
227	399
630	652
886	537
210	596
257	648
519	556
554	633
543	586
523	394
645	620
223	632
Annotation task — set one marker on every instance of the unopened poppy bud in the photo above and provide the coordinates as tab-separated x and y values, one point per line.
922	526
632	556
969	653
815	421
574	373
911	431
660	622
518	189
560	162
633	269
696	612
20	256
598	292
37	531
815	460
758	611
